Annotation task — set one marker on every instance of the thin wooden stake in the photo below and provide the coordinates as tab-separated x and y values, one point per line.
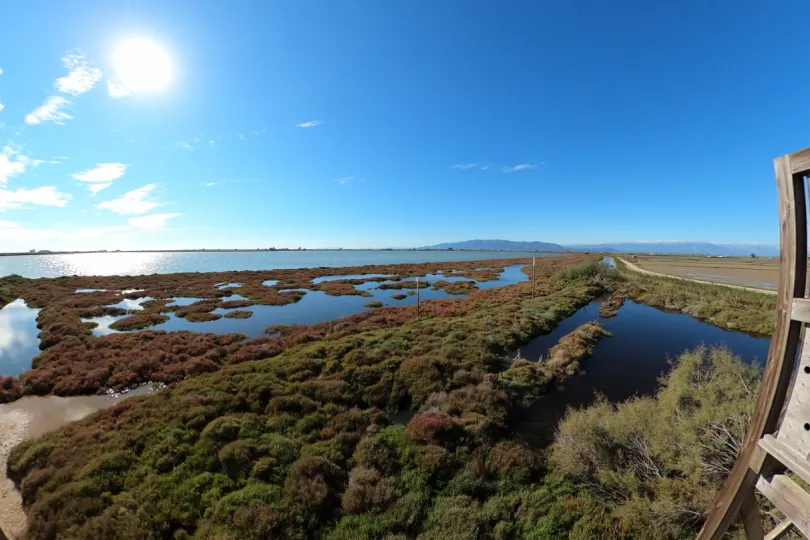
534	281
417	299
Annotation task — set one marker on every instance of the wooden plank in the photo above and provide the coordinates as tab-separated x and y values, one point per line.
782	351
787	456
793	430
800	161
780	530
789	498
800	311
752	521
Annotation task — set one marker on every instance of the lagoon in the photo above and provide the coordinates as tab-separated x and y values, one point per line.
140	263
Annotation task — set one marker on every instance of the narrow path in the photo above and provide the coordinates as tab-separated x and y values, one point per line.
635	268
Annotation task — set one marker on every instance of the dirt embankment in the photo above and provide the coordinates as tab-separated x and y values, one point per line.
715	279
744	272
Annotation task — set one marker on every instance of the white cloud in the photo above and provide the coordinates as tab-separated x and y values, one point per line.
50	111
209	184
345	179
12	163
468	166
185	146
154	221
102	175
241	136
2	106
133	202
212	143
116	89
259	131
521	167
1	71
311	123
95	188
8	224
44	196
82	76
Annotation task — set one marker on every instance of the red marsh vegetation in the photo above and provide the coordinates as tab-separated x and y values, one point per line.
239	314
74	361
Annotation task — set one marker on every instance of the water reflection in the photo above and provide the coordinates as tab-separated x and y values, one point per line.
314	307
33	416
131	305
108	264
18	337
103	325
350	276
627	364
182	301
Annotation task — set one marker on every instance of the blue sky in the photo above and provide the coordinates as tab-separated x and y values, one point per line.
381	123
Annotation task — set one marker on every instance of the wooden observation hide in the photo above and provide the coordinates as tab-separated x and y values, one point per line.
778	438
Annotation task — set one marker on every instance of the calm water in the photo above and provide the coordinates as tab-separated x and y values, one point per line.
627	364
18	338
314	307
19	343
107	264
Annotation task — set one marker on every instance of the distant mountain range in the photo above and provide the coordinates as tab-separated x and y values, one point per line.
505	245
697	248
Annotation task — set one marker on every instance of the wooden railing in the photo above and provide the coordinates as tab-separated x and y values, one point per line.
770	448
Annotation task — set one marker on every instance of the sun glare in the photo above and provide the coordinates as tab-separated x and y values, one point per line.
142	66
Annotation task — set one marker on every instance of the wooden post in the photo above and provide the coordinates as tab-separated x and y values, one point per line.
417	299
534	281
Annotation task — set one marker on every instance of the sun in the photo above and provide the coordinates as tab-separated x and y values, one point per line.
142	66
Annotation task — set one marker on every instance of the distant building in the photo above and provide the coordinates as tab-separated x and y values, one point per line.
32	251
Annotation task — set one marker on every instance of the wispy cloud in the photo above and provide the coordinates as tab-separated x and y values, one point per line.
521	167
1	71
81	77
101	176
116	89
43	196
12	163
241	136
468	166
8	224
259	131
50	111
345	179
504	168
311	123
2	106
132	203
185	146
95	188
212	143
153	222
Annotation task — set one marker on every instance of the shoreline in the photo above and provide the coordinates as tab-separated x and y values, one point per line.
33	416
282	250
